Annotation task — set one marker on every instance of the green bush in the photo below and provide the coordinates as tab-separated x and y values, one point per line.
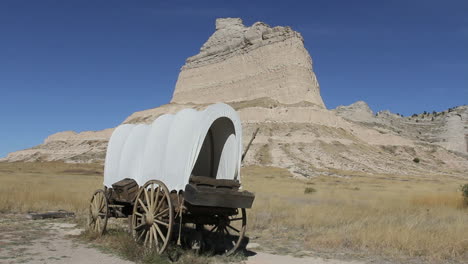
309	190
416	160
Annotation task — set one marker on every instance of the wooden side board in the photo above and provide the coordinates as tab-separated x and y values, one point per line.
217	197
211	182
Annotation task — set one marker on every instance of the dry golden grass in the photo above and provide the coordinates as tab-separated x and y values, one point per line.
397	217
47	186
453	199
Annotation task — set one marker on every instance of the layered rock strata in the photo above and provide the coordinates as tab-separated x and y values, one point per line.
240	63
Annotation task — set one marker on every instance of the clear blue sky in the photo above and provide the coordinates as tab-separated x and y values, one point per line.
86	65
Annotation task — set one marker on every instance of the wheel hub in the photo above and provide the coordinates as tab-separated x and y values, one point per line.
224	221
149	220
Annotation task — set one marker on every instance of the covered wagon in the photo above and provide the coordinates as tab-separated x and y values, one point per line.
180	169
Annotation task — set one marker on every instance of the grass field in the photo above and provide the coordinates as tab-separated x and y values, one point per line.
395	217
47	186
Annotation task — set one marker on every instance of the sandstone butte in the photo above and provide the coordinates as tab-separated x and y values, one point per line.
266	74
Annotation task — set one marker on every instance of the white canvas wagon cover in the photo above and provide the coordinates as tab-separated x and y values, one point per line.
174	147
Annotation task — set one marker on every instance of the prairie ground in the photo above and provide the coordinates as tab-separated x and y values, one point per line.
47	186
401	218
385	217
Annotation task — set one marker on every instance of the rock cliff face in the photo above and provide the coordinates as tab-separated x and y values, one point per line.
448	129
266	75
250	63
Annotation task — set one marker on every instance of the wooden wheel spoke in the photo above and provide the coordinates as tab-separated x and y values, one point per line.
102	206
139	226
99	201
156	200
236	219
137	213
159	202
141	235
162	212
160	232
91	205
94	204
227	231
143	205
152	199
161	223
148	201
156	237
233	228
97	224
146	239
91	214
214	227
150	238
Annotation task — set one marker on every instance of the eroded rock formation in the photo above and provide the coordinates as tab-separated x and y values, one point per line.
249	63
69	146
448	128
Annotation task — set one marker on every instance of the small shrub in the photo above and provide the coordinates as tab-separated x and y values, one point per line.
309	190
416	160
464	190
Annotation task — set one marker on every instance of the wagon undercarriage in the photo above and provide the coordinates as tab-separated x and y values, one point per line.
209	215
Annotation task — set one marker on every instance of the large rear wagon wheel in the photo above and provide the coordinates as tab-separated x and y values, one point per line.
153	216
98	213
228	232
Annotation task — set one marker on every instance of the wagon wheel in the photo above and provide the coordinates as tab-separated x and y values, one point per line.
153	216
228	232
98	213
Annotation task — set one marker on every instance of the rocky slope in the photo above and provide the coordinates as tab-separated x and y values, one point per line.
266	74
448	128
84	147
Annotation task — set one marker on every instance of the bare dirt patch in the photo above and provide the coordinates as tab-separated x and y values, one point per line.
45	241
